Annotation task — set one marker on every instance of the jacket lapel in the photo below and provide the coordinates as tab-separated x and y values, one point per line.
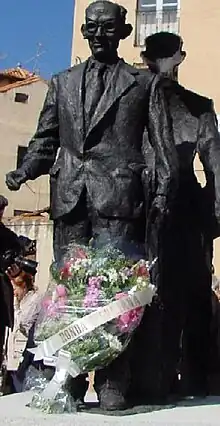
76	93
122	79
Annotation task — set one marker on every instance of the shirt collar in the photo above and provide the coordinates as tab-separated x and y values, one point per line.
93	63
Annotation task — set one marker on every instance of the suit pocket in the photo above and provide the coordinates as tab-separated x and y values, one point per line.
119	195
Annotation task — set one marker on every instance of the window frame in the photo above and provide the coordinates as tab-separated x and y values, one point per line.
158	5
149	7
157	11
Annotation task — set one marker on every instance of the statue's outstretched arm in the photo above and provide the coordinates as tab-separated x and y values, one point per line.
43	147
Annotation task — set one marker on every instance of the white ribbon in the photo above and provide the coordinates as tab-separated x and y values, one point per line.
62	368
90	322
53	361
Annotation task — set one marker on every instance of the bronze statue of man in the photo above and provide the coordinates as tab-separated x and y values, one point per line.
96	113
181	321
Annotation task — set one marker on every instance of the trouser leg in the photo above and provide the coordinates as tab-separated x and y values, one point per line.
196	345
111	383
155	355
197	328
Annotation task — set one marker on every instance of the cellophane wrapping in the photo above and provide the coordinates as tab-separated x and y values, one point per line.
88	280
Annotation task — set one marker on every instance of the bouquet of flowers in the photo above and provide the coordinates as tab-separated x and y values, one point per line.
90	312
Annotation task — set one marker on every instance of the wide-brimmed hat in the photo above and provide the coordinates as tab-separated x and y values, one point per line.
163	49
161	45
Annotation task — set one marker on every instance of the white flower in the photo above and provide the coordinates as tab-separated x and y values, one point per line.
105	279
112	275
123	276
76	267
85	263
140	280
81	263
113	341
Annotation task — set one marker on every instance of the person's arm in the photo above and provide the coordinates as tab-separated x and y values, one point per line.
209	154
29	313
43	147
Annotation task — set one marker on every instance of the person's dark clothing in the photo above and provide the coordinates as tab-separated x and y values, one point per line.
14	380
8	241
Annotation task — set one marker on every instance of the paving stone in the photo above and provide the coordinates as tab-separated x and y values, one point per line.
14	412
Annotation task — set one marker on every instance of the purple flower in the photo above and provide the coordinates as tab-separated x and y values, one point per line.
127	272
91	299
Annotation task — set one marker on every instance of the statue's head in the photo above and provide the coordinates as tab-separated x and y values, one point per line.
105	25
163	53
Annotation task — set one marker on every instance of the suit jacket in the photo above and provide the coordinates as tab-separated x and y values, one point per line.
195	131
107	159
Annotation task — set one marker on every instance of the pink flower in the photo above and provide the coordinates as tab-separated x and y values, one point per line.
120	295
141	270
65	272
52	310
61	291
128	320
80	253
124	321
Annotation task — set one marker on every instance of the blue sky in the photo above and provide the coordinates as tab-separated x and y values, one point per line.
26	23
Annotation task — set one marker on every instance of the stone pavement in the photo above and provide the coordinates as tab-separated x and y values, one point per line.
14	413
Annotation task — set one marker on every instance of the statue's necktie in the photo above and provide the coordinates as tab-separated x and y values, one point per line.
96	90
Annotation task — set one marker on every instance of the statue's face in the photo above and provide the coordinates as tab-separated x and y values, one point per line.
103	29
166	67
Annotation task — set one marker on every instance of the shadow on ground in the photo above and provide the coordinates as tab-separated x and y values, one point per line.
93	407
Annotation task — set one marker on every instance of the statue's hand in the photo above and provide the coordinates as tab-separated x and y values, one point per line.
158	209
15	179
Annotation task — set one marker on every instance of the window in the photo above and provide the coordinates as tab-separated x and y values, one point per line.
156	15
21	98
169	11
158	5
21	152
170	3
147	5
21	212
